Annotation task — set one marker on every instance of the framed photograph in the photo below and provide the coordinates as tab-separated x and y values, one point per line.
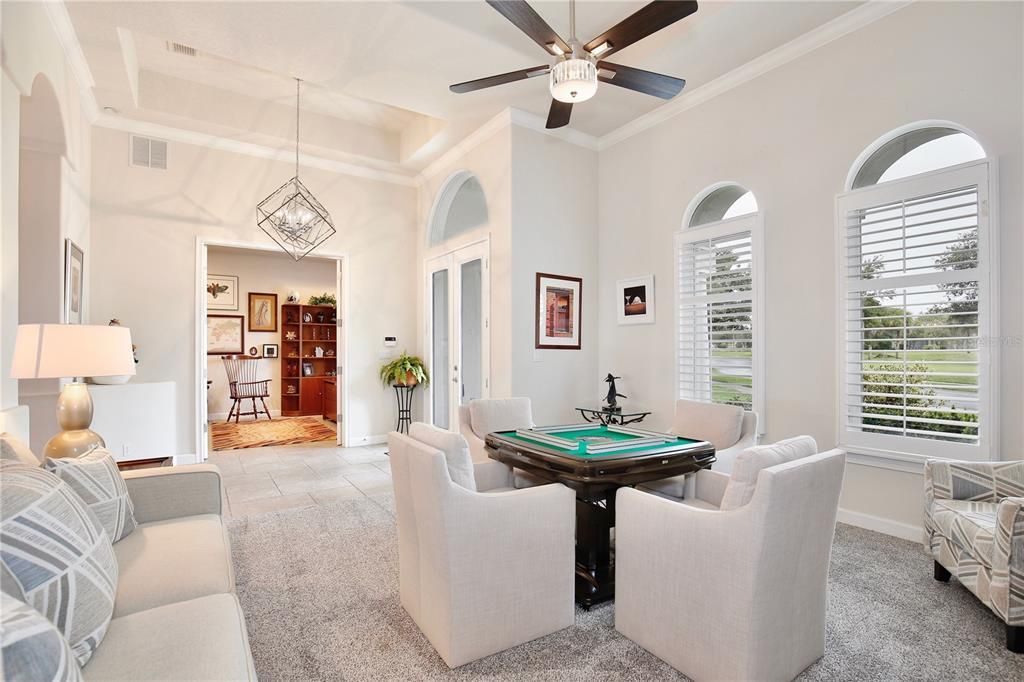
225	334
636	300
74	280
307	369
221	292
270	350
262	312
559	307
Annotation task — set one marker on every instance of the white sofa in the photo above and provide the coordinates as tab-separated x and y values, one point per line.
729	428
176	616
479	571
737	593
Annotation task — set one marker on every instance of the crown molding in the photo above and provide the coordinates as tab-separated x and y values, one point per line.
60	20
499	122
525	119
210	141
842	25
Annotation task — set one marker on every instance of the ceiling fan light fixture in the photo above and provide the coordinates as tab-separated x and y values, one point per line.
573	80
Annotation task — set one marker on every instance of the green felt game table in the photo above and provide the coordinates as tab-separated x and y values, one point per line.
595	461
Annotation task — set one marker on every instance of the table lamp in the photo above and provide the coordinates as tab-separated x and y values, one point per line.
59	351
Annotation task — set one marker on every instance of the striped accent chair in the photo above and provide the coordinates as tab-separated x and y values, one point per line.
974	530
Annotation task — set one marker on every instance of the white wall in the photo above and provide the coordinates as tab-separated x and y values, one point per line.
145	224
554	230
266	272
791	136
31	49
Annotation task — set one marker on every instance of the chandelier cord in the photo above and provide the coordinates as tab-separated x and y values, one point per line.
297	83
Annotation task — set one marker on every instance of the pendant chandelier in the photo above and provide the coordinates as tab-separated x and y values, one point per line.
291	215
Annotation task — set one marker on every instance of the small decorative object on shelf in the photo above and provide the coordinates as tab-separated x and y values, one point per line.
611	400
404	373
307	317
293	296
291	336
307	369
324	299
290	389
329	353
318	352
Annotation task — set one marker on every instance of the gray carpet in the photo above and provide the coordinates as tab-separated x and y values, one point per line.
319	588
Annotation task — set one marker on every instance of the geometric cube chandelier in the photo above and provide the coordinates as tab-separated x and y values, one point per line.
291	215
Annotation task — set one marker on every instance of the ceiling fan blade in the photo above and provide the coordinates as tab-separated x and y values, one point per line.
500	79
529	22
647	82
642	23
559	114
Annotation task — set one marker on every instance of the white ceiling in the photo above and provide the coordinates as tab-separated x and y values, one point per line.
381	70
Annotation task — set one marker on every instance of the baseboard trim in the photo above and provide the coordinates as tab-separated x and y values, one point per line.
879	524
368	440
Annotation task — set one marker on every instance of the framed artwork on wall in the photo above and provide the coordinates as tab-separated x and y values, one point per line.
262	312
271	350
221	292
74	282
559	308
636	300
225	334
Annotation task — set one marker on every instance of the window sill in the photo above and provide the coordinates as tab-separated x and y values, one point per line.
885	459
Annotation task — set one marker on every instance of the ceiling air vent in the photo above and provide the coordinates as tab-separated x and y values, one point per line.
179	48
148	153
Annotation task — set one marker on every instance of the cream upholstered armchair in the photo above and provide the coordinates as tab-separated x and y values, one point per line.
486	415
732	584
729	428
482	567
974	530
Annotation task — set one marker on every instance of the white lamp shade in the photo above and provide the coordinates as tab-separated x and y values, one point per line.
56	351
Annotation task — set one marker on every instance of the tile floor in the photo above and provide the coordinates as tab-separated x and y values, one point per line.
260	480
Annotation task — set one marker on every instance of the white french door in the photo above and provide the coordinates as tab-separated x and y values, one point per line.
458	334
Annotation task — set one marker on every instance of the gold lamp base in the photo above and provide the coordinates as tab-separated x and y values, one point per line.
74	414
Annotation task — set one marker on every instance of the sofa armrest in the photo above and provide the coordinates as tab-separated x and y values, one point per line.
490	474
1007	588
963	480
171	492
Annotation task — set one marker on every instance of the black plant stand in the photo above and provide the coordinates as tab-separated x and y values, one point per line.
404	396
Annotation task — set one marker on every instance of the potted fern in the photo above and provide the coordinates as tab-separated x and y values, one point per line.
405	370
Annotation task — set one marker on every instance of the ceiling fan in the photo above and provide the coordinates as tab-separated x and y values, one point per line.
578	67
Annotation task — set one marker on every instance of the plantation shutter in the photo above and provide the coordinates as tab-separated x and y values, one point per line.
716	314
915	309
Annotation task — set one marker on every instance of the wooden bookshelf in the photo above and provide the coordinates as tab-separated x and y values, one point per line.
302	393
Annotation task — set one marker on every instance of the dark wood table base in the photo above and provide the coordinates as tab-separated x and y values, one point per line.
595	566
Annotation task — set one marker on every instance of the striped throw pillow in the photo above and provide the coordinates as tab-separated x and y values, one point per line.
33	649
96	479
55	549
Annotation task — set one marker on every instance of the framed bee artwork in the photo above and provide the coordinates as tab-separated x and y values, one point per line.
221	292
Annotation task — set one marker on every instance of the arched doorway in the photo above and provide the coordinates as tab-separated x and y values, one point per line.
42	148
457	300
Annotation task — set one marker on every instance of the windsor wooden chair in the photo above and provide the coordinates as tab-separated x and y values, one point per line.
244	384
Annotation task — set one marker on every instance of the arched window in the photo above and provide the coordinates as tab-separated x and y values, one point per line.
460	207
717	271
915	296
915	152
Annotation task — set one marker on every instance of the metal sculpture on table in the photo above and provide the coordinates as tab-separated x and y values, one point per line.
611	400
